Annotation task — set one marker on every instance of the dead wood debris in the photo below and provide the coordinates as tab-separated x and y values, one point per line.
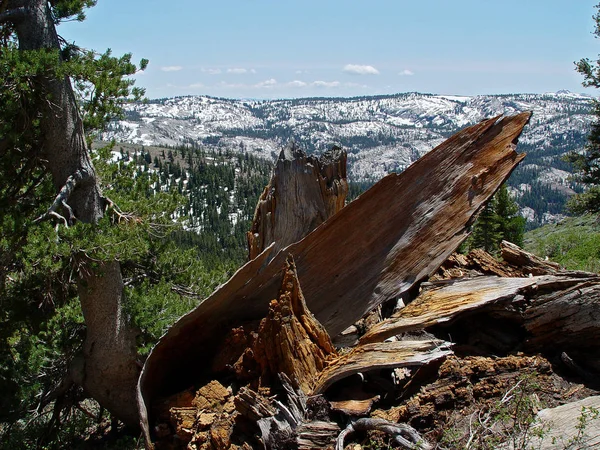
428	355
267	406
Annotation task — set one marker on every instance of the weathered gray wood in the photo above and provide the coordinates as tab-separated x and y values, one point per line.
374	249
304	192
403	435
384	355
575	425
317	434
568	320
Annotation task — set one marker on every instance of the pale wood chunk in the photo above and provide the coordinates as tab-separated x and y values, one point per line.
574	425
354	407
384	355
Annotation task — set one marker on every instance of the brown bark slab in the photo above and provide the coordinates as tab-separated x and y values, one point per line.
525	261
374	249
304	191
515	262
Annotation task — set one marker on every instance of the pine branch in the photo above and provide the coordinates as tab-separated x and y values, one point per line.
118	215
186	292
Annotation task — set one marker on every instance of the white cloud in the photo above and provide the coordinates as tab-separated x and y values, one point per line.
357	69
354	85
211	71
406	72
297	83
171	68
225	85
267	83
196	85
237	71
326	84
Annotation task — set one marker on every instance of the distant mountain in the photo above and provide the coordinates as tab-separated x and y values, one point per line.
382	134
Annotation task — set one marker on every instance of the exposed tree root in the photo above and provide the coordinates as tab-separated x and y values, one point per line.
403	435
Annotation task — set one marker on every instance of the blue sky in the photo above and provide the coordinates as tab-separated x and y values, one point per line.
289	48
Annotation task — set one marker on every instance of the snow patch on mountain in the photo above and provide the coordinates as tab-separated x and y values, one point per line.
382	134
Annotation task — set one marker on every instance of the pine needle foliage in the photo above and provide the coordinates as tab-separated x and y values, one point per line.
587	163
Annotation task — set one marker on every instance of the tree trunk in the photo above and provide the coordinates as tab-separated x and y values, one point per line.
108	373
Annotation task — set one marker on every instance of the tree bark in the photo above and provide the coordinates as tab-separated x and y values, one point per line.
108	370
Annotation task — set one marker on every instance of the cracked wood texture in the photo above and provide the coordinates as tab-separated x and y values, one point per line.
304	192
391	237
385	355
290	340
444	301
567	320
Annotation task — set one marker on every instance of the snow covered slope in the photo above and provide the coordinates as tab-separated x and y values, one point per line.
381	134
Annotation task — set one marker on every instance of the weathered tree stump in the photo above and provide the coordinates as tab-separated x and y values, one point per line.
304	192
290	340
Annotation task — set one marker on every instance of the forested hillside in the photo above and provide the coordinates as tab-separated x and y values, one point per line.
219	191
382	134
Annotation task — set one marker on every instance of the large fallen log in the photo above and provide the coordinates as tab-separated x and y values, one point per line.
376	248
552	314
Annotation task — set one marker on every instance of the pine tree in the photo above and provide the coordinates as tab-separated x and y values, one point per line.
486	234
52	92
499	220
511	225
587	165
